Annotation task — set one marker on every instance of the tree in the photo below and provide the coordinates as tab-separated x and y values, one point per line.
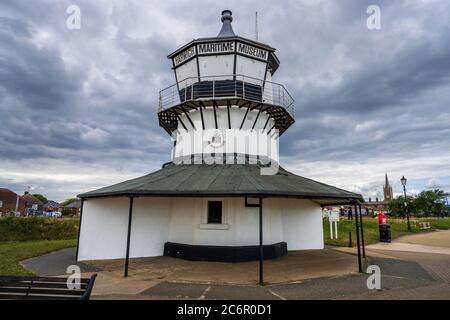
431	203
397	206
69	201
41	198
426	204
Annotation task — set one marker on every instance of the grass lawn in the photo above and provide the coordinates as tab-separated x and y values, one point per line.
11	253
371	233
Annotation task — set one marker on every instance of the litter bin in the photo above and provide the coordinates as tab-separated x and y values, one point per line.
382	218
385	233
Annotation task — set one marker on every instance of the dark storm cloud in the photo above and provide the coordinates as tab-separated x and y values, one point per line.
382	87
37	92
27	71
86	100
49	113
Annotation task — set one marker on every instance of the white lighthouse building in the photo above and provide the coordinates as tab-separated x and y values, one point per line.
223	196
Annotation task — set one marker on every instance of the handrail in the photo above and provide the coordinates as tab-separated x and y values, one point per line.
226	86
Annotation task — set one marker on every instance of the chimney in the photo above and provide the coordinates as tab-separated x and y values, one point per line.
370	199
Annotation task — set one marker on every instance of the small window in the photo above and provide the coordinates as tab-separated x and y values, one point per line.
215	212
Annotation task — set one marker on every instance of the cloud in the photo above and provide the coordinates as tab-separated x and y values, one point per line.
433	184
78	108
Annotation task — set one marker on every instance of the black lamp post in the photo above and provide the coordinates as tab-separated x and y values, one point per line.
403	180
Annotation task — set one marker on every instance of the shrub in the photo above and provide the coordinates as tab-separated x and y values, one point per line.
37	228
66	212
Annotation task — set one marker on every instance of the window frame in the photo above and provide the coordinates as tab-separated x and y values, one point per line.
210	221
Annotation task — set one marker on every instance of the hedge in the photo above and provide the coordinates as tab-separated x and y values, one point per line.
37	228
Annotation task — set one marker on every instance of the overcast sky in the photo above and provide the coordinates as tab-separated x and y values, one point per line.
78	107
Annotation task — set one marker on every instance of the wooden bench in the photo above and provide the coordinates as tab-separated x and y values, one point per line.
424	225
43	288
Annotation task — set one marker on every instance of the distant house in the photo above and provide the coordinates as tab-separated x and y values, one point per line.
51	206
32	204
377	205
10	202
74	207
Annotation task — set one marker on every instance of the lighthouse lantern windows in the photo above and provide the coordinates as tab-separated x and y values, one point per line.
187	74
219	67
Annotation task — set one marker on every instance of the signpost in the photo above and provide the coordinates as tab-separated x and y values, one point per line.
333	216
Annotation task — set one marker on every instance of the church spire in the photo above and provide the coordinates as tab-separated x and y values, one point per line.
387	189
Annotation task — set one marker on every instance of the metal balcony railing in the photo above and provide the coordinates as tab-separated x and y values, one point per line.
226	87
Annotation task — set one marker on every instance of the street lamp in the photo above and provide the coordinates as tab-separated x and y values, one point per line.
403	180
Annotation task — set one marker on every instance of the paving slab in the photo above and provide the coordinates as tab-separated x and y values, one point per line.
240	293
439	238
177	290
108	283
436	265
437	242
409	247
401	269
439	291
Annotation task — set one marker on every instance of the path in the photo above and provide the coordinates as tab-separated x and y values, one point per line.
55	263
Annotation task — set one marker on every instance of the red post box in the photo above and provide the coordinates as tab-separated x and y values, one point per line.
382	218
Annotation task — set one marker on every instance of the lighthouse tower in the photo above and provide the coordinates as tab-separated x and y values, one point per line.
224	102
214	201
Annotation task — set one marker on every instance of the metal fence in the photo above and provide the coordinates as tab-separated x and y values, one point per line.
223	87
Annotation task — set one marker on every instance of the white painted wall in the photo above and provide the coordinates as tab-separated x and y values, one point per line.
105	223
187	74
246	141
150	226
250	68
103	232
220	66
184	220
302	224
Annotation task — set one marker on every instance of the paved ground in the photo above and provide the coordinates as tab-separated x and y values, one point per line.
325	274
428	250
433	239
435	242
297	266
55	263
396	274
437	266
147	272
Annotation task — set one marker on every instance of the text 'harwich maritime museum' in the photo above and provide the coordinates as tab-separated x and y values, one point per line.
223	197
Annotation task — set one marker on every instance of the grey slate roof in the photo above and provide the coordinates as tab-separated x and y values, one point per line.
51	204
76	204
223	180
